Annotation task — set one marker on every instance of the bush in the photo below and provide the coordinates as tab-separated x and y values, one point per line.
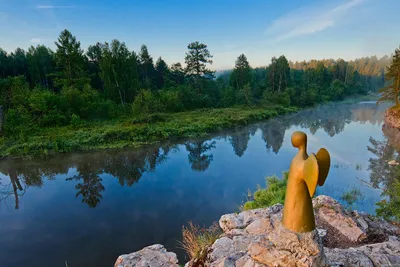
196	241
145	103
171	100
389	208
76	121
281	98
274	193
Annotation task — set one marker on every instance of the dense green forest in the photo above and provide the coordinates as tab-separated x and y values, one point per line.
42	90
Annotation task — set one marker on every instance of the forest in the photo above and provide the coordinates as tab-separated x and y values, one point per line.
109	96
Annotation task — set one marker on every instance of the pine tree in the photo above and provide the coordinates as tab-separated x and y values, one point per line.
241	74
161	73
70	61
40	65
196	60
146	68
391	92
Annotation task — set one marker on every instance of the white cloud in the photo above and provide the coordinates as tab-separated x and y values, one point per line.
53	7
309	20
35	40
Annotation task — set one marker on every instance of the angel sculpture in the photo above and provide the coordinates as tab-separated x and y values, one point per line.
304	175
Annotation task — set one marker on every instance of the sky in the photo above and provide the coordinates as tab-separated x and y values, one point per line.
261	29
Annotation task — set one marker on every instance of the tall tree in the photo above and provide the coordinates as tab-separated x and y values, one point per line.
196	60
94	55
391	92
70	61
40	66
177	74
241	74
119	72
161	73
146	68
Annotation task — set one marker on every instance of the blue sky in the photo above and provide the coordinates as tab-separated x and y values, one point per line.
300	30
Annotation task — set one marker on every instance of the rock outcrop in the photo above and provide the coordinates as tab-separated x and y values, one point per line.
155	255
256	238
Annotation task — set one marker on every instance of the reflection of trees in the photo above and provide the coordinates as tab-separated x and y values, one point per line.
273	133
381	171
239	140
197	159
332	118
127	166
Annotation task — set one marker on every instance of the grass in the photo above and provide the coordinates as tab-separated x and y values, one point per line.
351	196
196	241
131	132
273	193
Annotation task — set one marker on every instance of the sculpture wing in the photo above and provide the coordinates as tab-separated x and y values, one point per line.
311	173
324	163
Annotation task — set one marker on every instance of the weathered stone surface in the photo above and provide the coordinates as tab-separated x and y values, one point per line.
257	238
329	212
151	256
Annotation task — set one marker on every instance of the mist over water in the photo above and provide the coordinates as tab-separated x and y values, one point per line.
88	208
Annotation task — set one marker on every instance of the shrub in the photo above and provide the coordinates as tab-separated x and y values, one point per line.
145	103
171	100
282	98
274	193
196	240
389	208
76	121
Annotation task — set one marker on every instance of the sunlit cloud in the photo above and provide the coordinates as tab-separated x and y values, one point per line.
53	7
309	20
35	40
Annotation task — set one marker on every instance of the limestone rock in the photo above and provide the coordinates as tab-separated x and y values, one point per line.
151	256
329	213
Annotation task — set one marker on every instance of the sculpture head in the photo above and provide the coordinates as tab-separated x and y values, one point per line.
299	139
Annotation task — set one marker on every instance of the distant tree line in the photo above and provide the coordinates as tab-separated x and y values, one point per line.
46	88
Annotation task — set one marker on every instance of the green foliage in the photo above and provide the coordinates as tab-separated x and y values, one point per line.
76	121
133	132
273	193
276	98
351	196
391	91
389	208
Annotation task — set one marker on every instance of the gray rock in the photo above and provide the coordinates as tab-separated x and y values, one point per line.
151	256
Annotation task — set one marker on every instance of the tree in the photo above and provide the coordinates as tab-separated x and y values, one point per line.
146	68
40	66
119	72
241	74
70	61
391	92
177	74
196	60
94	55
278	74
161	73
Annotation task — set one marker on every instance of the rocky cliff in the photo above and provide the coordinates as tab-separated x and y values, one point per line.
256	238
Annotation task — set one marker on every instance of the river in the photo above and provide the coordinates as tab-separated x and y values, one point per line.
88	208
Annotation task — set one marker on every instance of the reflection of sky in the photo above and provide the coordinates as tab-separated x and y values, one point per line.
52	225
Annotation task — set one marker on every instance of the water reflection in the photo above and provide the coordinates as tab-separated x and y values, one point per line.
198	160
132	198
381	173
129	166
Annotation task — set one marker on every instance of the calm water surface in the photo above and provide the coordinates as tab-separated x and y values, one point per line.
87	208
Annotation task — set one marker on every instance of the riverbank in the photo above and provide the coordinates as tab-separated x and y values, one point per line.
133	132
256	238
